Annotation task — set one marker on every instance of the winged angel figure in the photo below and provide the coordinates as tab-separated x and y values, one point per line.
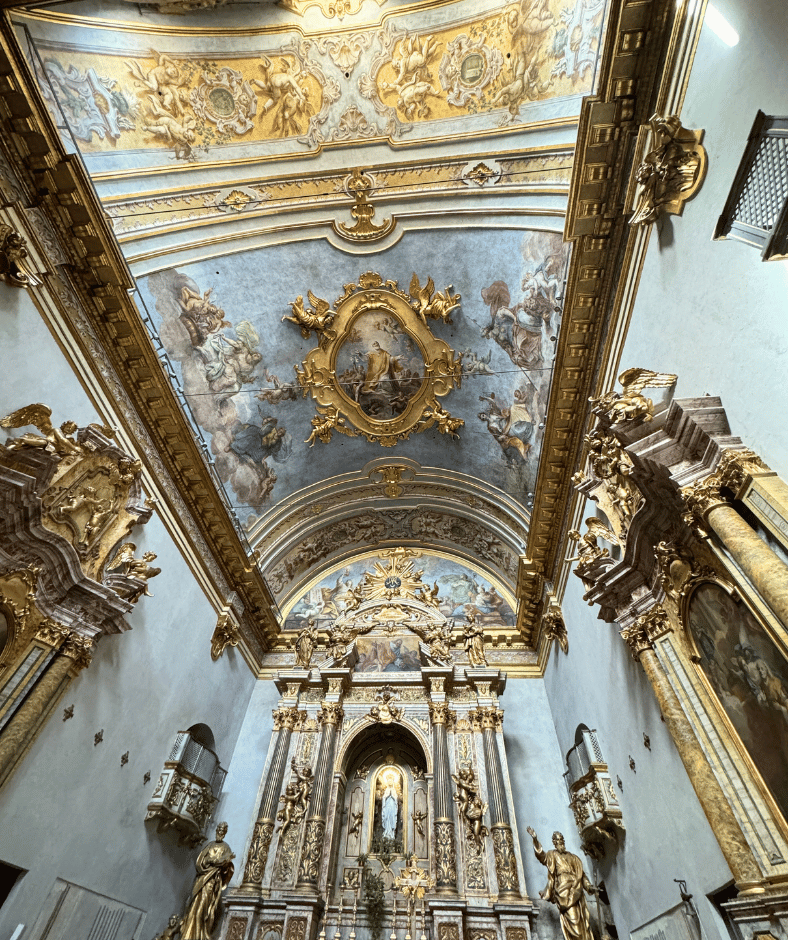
429	304
139	569
59	441
631	404
588	550
317	318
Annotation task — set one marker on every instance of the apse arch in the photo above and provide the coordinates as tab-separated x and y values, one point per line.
369	736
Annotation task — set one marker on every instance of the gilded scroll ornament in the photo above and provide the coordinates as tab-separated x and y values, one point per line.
470	805
312	850
385	711
505	862
359	185
378	369
671	172
258	851
631	404
445	854
675	566
12	257
226	633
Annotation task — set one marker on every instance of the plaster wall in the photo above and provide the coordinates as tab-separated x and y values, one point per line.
70	810
712	311
667	836
539	795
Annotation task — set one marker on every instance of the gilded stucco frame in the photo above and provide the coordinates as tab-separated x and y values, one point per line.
719	715
317	375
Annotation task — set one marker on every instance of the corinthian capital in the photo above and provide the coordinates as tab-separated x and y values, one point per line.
440	713
331	713
489	717
641	633
79	648
286	718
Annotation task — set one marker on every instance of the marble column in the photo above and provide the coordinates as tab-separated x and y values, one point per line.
19	733
724	825
491	719
330	717
443	819
708	507
284	721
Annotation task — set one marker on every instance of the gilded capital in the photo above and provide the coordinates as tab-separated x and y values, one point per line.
52	633
642	632
331	713
736	465
286	718
79	648
489	717
440	713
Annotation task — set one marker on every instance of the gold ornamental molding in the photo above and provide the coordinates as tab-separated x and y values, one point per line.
672	171
629	91
394	393
96	271
358	185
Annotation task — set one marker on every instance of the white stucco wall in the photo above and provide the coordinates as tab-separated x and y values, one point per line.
70	810
713	312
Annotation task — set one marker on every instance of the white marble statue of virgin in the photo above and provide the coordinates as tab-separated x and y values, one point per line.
389	810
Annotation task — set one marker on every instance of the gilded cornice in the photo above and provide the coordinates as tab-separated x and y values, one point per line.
637	34
57	184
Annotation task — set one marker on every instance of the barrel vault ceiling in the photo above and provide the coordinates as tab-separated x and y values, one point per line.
228	146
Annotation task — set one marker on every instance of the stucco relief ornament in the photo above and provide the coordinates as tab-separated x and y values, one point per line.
225	99
386	711
671	172
358	185
468	67
378	369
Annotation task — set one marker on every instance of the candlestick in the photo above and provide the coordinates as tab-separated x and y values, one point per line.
352	934
394	919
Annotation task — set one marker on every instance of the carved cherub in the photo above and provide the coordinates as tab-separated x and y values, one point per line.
418	820
437	306
172	930
355	822
295	797
318	319
588	549
428	595
59	441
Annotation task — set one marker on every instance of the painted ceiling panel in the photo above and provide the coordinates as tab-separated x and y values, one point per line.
137	99
237	369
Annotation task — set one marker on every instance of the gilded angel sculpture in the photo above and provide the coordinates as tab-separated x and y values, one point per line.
631	403
59	441
318	319
588	549
429	304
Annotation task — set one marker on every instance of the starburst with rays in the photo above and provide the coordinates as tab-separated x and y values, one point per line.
394	578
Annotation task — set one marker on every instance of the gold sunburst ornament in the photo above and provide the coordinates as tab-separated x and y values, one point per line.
395	577
378	370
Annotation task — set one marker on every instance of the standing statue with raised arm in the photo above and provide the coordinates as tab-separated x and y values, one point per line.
566	882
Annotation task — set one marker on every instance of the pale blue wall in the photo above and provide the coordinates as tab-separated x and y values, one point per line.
70	810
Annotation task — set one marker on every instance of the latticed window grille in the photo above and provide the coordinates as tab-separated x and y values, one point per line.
756	211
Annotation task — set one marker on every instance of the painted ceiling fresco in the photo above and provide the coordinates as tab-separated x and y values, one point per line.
458	590
222	325
135	99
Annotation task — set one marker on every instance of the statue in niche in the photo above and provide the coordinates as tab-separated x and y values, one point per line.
388	805
214	870
474	642
566	881
305	645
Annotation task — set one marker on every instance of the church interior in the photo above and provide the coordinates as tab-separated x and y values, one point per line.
354	585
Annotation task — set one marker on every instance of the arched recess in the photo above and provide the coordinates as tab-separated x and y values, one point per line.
384	794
